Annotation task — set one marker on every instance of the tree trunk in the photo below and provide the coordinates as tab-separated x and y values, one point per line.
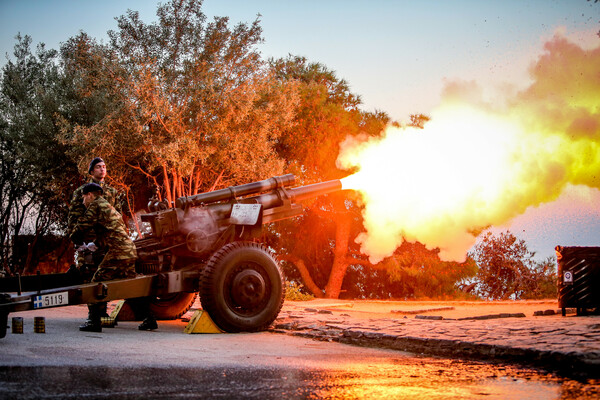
340	263
167	186
27	268
130	205
306	278
175	182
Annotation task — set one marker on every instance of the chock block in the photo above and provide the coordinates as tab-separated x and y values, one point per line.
116	310
111	320
201	322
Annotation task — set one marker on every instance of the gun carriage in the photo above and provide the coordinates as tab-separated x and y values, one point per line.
206	244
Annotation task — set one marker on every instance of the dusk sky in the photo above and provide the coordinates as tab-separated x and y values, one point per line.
397	55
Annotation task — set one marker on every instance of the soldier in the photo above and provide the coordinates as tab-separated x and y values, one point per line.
106	224
89	257
97	170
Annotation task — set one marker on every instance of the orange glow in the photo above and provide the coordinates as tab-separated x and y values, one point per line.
475	164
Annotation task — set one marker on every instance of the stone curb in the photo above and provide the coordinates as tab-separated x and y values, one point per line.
479	317
519	348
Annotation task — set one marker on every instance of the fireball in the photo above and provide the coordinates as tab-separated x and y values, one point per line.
475	165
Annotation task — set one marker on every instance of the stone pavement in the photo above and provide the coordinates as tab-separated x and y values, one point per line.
531	333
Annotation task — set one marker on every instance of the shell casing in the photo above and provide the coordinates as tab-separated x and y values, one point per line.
39	324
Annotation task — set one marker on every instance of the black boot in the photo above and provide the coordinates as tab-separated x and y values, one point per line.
103	309
91	326
91	310
93	323
148	324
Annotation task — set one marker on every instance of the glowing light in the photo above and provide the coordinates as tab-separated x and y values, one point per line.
474	165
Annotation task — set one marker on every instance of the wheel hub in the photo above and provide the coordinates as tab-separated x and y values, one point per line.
248	288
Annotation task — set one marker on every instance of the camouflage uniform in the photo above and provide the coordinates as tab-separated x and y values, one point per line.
76	211
112	240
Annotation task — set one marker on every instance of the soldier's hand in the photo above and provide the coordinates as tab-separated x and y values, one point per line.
91	246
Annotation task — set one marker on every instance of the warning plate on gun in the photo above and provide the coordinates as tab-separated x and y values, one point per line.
51	300
245	214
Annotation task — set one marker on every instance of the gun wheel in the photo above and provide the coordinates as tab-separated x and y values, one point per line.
172	306
242	287
167	307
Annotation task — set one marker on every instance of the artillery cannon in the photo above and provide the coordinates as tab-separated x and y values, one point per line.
203	244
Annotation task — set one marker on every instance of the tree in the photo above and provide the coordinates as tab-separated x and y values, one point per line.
422	274
34	174
418	120
507	269
194	106
327	112
412	272
318	244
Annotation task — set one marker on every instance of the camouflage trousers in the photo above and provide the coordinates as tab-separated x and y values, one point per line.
115	269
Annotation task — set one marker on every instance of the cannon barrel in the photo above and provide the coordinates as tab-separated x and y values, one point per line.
316	189
205	221
278	198
234	192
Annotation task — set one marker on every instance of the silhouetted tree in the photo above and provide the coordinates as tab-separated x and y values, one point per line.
327	113
507	269
35	175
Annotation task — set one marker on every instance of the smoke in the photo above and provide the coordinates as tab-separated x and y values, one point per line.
479	163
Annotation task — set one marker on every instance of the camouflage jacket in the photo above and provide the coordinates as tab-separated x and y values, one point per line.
111	233
77	209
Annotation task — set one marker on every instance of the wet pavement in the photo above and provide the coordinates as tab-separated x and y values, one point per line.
529	333
376	375
125	363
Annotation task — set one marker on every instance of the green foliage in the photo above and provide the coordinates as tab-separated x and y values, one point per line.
295	291
184	105
424	275
507	269
326	114
317	252
35	175
412	272
192	103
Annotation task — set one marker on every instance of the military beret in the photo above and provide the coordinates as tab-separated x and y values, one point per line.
92	187
93	164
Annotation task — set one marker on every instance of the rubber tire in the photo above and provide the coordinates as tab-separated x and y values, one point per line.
172	306
167	307
232	263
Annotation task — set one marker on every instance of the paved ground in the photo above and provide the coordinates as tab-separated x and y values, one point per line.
124	363
525	332
529	333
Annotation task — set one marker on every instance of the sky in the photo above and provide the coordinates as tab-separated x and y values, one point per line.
397	55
